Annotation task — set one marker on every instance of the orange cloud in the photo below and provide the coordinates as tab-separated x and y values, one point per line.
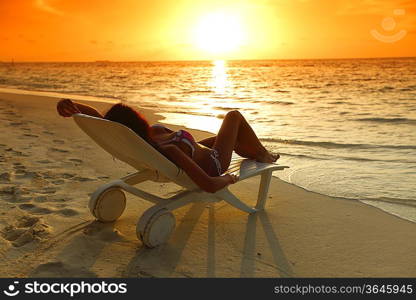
45	6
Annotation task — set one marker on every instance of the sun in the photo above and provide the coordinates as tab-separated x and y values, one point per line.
219	33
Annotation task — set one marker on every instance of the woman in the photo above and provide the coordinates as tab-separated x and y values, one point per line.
204	161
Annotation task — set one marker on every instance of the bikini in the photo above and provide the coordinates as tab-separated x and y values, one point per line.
187	138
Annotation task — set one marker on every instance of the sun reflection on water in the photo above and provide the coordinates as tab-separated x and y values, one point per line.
219	81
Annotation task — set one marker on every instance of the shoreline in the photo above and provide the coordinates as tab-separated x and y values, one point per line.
300	234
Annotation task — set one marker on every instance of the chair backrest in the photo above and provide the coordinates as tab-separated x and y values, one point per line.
125	145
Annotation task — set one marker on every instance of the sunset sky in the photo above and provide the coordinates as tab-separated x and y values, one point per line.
131	30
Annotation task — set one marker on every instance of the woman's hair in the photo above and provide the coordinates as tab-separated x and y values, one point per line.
131	118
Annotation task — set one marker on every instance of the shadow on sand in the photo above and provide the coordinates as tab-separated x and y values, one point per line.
89	240
167	257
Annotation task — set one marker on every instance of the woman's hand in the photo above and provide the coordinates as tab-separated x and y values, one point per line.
233	178
66	108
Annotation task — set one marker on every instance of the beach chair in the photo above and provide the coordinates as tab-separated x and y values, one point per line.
157	223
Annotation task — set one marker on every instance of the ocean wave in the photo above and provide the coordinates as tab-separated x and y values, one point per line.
282	91
225	108
386	88
193	113
397	201
406	202
362	79
282	102
389	120
196	91
351	158
116	77
303	156
363	159
338	102
331	145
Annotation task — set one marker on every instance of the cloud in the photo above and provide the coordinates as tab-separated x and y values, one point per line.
45	6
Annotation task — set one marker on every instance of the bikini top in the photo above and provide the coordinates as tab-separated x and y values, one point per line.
180	136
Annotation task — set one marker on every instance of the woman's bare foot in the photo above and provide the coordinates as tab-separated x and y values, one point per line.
267	157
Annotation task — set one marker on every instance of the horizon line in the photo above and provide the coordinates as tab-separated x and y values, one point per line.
198	60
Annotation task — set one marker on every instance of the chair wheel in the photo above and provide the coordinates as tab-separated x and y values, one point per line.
155	226
109	205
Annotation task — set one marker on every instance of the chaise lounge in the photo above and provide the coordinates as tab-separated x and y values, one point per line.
157	223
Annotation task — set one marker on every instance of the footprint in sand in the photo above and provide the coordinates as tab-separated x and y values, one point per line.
5	177
48	175
83	179
75	160
25	230
67	212
58	182
14	194
47	190
59	150
67	175
103	231
44	161
18	167
21	172
60	269
34	209
38	210
42	186
52	177
10	112
17	123
15	152
42	199
31	135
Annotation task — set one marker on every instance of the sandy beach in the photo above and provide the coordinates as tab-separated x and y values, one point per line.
49	167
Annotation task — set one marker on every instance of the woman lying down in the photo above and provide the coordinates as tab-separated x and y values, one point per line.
203	161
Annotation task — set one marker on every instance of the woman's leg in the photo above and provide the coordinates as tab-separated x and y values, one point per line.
209	142
237	135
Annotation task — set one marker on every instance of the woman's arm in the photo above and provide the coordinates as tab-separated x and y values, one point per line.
89	110
199	176
67	108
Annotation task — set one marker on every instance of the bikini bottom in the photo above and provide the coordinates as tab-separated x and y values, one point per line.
214	155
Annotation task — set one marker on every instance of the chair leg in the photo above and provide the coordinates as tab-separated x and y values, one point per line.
263	189
231	199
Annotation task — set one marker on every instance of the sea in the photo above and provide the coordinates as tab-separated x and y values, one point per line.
346	128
